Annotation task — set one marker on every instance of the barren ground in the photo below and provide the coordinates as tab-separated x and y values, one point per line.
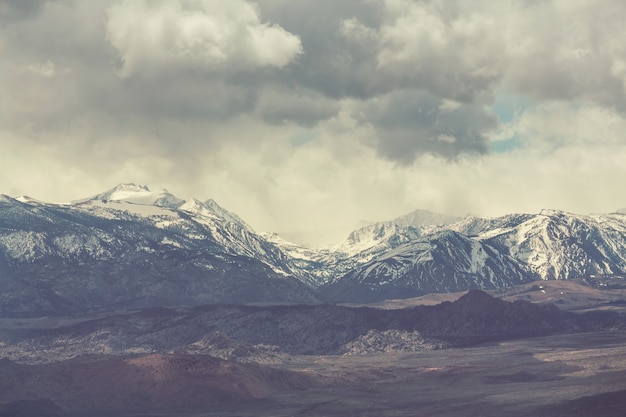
565	376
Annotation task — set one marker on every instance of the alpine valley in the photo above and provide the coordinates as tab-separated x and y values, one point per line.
135	302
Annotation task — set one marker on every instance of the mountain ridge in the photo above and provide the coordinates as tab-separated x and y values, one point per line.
178	247
59	258
268	333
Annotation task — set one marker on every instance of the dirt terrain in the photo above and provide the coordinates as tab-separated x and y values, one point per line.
574	375
566	375
133	364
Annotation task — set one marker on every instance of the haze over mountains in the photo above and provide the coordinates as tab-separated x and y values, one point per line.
131	247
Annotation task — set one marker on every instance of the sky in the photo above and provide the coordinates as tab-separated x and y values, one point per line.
315	115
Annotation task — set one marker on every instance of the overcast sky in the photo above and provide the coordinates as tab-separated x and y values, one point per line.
307	114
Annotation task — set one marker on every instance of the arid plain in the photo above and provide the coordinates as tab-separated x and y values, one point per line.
579	374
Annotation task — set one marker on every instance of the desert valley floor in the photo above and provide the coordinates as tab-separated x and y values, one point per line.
578	375
569	376
139	364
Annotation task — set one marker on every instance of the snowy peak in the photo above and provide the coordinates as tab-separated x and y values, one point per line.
6	199
371	234
214	211
390	234
137	194
122	192
384	235
551	212
225	214
421	218
142	195
197	207
381	260
28	200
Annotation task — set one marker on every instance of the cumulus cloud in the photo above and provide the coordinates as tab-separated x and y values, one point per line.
548	50
552	126
414	122
324	110
468	53
423	44
567	50
208	34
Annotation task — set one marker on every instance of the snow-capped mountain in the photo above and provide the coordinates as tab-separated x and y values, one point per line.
363	245
130	246
549	245
441	262
136	194
113	249
376	238
325	265
422	218
559	245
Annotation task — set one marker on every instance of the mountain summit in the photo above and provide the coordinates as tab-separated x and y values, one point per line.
136	194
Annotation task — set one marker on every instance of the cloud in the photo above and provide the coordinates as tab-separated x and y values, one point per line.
151	36
411	123
302	107
449	52
15	10
552	126
460	50
46	69
567	50
322	110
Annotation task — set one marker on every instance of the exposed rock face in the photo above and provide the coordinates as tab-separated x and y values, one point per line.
376	341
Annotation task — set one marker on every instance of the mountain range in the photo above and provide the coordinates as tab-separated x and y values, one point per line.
130	247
